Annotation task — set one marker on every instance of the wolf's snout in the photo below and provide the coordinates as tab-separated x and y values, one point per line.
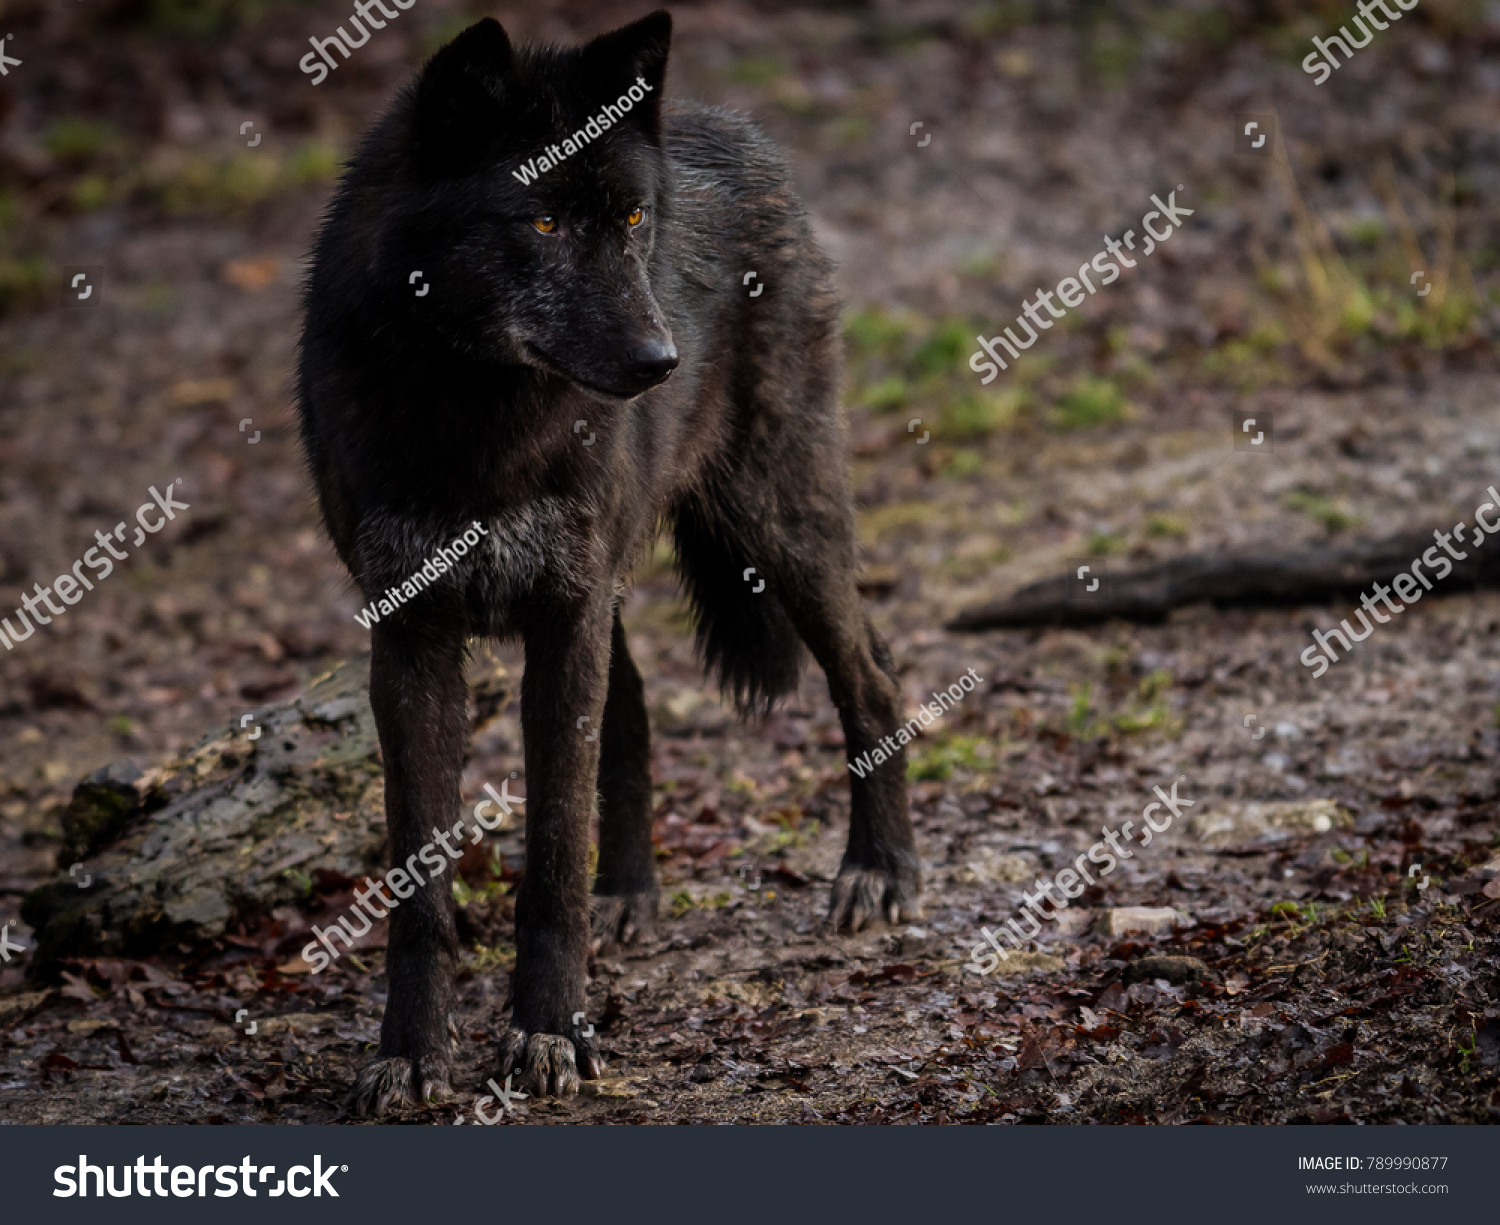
649	364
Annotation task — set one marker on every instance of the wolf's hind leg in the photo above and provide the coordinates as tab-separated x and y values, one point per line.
793	522
879	877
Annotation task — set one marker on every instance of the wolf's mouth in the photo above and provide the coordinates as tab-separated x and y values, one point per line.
553	366
651	364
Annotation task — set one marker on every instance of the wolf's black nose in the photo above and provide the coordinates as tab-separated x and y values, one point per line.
650	363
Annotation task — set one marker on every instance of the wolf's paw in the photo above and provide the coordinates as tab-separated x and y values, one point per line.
866	895
627	918
548	1065
394	1082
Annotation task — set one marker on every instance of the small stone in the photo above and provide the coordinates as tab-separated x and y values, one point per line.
1175	970
911	941
620	1088
1146	920
1071	923
1023	963
990	867
818	1016
1267	823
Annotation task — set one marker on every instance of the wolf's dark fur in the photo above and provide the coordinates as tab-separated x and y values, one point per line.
422	414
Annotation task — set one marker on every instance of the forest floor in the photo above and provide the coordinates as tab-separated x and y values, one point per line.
1334	952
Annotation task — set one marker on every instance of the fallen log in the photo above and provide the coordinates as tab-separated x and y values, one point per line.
1262	578
248	820
234	826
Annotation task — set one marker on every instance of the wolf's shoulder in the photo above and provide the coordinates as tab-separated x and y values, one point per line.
734	202
718	143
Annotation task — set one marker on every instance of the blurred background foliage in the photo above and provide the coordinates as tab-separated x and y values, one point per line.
139	132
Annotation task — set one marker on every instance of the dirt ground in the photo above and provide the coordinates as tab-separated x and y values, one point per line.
1334	952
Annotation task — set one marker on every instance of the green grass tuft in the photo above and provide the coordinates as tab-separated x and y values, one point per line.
1090	402
1331	515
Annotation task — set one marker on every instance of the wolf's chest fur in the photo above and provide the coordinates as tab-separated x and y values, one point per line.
549	547
550	543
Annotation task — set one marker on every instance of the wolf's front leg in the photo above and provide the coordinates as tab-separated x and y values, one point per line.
418	695
567	669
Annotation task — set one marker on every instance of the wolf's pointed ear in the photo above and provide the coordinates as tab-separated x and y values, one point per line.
637	50
462	95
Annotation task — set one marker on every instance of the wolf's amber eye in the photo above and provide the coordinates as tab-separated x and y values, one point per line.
545	224
636	217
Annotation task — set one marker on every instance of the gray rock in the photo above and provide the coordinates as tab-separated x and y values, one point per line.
1142	920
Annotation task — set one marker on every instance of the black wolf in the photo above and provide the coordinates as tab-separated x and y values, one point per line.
462	320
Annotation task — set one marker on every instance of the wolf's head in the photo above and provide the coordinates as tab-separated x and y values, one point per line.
532	188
